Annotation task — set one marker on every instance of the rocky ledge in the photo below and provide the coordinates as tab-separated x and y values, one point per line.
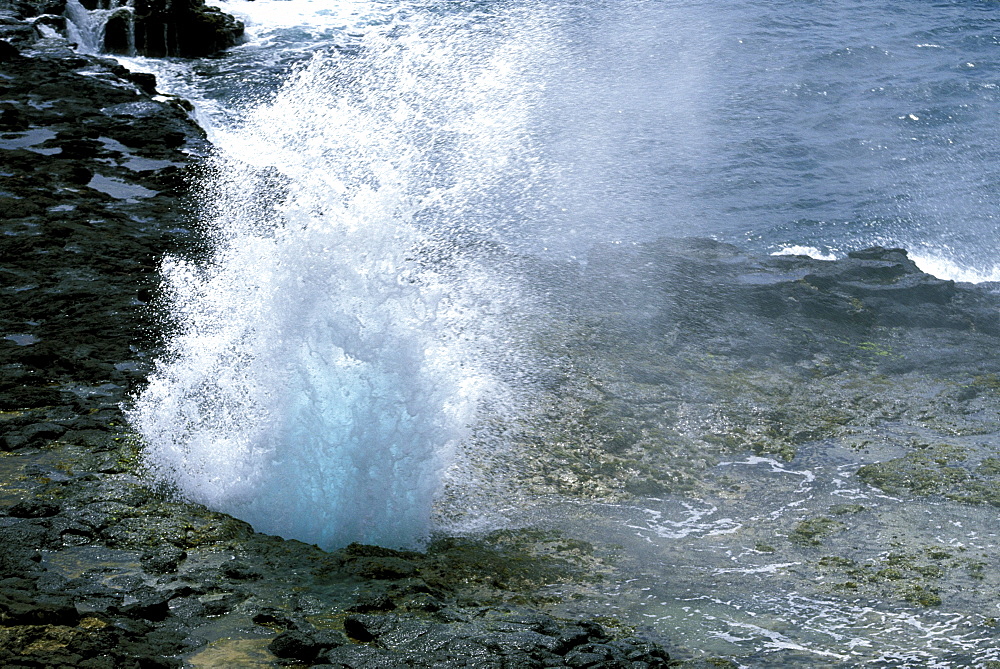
97	569
157	28
154	28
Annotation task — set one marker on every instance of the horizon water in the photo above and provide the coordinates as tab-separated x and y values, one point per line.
343	358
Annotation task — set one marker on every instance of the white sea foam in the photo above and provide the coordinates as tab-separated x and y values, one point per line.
811	251
315	16
694	521
330	356
946	268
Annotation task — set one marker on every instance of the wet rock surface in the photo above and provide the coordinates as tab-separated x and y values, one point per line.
92	189
97	569
185	28
100	571
684	351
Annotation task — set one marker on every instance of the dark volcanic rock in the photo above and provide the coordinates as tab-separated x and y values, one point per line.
238	570
26	607
33	508
496	637
32	8
185	28
295	645
163	559
19	560
145	603
83	231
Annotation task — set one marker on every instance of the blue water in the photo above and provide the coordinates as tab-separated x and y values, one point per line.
826	124
317	356
830	125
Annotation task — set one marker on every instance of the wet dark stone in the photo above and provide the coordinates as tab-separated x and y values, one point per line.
11	119
423	602
362	656
517	643
145	603
33	508
370	602
145	81
224	604
30	534
295	645
29	398
116	32
364	628
580	660
356	550
94	438
24	607
41	433
163	559
185	28
271	616
570	639
387	568
8	52
31	8
152	648
240	571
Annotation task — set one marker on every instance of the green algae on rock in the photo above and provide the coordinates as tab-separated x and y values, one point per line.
811	532
939	469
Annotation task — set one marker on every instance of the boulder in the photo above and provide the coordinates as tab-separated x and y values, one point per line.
185	28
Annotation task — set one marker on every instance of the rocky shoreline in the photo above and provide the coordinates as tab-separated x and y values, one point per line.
97	570
693	352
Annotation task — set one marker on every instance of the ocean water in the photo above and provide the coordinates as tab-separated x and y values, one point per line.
822	125
391	183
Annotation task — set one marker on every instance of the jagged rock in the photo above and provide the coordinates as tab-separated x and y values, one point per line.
302	646
163	559
521	638
185	28
33	508
145	603
119	32
31	8
370	602
25	607
238	570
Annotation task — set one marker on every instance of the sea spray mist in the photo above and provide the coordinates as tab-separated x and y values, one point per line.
329	357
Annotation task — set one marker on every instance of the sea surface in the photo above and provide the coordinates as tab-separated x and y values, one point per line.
825	126
350	134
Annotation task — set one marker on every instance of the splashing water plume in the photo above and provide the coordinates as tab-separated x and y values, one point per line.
328	360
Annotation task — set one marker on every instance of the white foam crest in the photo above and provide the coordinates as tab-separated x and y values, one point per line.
693	523
85	28
945	268
329	358
316	16
810	251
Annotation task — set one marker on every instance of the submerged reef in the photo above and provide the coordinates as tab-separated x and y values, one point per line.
695	350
